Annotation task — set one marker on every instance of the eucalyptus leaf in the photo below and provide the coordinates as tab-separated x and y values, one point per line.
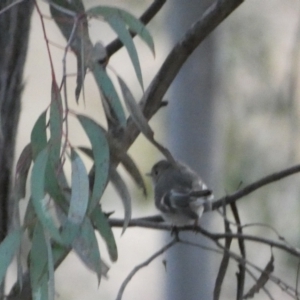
56	124
22	169
100	222
111	98
38	135
75	30
54	187
118	153
119	27
100	148
38	193
51	283
38	266
135	111
122	190
8	249
133	23
30	218
86	247
79	190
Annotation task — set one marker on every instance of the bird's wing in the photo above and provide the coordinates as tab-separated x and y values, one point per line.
183	202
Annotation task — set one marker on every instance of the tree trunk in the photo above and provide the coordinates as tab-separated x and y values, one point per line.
189	132
14	28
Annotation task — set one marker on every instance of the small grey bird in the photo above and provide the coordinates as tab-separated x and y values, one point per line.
179	193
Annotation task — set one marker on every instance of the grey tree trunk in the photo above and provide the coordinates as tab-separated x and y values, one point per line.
14	28
190	120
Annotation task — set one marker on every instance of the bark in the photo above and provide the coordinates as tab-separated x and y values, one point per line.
14	28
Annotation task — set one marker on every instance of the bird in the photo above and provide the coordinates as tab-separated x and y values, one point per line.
179	193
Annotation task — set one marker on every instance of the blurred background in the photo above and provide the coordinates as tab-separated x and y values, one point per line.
233	115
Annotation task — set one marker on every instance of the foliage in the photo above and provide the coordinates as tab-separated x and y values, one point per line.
64	210
62	216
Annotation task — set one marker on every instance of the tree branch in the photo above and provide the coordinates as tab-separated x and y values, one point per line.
213	236
224	262
255	186
242	270
152	98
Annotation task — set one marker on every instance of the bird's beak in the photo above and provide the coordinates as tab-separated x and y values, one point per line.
148	174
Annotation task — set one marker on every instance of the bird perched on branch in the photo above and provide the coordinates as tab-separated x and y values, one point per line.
179	193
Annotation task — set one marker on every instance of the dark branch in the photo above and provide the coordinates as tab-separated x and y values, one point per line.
146	17
213	236
242	270
224	262
197	33
255	186
289	290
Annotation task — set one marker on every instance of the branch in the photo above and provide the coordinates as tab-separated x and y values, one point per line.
213	236
255	186
242	270
264	272
289	290
142	265
224	262
146	17
197	33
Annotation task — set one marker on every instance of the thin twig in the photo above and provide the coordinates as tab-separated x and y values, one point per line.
64	83
142	265
255	280
6	8
283	285
297	280
241	274
225	260
62	9
46	39
256	185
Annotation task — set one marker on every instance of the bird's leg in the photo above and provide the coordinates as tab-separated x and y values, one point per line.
175	232
196	225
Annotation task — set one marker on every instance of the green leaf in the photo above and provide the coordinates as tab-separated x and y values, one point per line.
86	247
79	190
8	249
138	27
106	87
59	253
39	264
56	123
51	283
100	148
38	194
30	218
118	153
135	111
53	187
122	190
118	19
38	135
101	224
22	169
79	199
120	28
76	32
133	23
